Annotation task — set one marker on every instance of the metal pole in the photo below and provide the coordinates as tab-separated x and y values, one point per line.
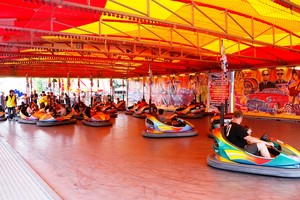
59	92
68	84
30	86
127	87
78	89
27	85
226	106
144	87
91	79
111	88
123	92
150	87
222	115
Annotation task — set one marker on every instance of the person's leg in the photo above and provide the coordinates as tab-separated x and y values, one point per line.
252	148
263	149
8	113
13	112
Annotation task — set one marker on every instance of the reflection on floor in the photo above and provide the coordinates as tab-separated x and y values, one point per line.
81	162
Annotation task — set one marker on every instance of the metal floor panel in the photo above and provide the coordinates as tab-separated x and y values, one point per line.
18	180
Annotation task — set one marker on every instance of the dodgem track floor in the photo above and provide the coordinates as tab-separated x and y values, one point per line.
116	162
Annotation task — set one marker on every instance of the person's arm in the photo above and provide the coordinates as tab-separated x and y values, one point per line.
253	140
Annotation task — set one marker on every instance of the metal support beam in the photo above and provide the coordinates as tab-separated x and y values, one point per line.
184	38
237	23
128	7
183	19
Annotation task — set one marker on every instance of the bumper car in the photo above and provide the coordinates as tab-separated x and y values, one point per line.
79	116
79	111
143	111
2	114
110	110
285	160
49	120
191	111
176	127
25	118
97	120
121	106
215	122
130	109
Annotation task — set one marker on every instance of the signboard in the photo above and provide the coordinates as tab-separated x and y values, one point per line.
218	89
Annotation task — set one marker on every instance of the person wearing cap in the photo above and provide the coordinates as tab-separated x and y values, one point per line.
11	103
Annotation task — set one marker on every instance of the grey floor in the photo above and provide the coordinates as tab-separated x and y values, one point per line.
81	162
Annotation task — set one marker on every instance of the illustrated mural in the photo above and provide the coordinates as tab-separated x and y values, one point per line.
135	91
268	91
263	92
170	91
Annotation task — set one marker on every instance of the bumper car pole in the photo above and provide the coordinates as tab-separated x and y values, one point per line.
222	115
150	87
